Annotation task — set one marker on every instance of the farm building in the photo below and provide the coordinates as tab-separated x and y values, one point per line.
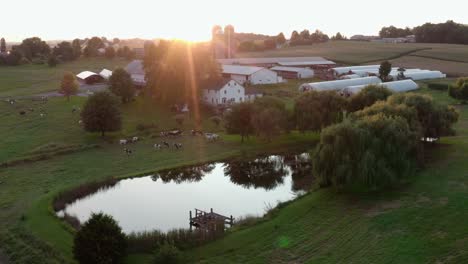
228	92
250	74
397	86
312	62
351	69
136	71
293	72
106	74
339	84
89	77
424	75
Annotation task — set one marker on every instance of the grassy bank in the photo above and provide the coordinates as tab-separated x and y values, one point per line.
423	221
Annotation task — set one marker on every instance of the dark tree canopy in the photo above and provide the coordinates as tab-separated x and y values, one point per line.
394	32
101	113
269	118
92	47
280	39
239	120
121	84
110	52
69	85
2	46
384	71
367	97
64	50
176	71
315	110
52	60
448	32
76	45
34	47
100	240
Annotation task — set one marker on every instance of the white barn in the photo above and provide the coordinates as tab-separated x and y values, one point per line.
106	74
251	75
293	72
228	92
339	84
136	71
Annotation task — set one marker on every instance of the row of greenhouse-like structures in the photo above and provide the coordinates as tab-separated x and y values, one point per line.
353	79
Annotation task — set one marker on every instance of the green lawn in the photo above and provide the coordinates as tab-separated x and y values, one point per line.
34	79
424	221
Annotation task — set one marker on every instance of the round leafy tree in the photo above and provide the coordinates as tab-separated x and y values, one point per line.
100	240
121	84
101	113
69	86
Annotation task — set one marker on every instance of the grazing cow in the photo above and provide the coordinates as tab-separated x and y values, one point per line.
135	139
157	146
80	122
128	151
166	144
42	114
175	133
122	141
211	136
22	113
177	145
163	134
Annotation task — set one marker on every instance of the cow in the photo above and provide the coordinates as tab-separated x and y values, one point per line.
128	151
135	139
177	145
157	146
122	141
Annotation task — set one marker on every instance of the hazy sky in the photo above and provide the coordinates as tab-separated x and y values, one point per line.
192	20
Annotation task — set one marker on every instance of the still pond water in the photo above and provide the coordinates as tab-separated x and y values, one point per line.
163	201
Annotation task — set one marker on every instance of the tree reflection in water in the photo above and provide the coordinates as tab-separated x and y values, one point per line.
265	172
186	174
301	171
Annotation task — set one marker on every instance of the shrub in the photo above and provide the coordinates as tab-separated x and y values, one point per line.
316	110
367	97
459	90
239	120
100	240
167	254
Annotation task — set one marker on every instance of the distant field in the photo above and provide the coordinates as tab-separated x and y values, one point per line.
436	56
448	67
34	79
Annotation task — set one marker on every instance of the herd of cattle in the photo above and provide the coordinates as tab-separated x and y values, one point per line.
210	137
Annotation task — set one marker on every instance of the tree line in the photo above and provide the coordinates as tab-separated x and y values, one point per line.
36	51
448	32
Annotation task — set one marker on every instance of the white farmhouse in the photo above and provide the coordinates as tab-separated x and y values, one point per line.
228	92
251	74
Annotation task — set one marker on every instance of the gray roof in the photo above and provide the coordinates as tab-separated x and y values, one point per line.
290	69
135	67
241	70
278	60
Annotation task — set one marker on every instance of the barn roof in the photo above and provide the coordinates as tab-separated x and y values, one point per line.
275	60
135	67
105	73
86	74
241	70
290	69
218	85
305	63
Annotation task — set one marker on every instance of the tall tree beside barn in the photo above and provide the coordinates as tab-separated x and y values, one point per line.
2	46
69	85
175	70
121	84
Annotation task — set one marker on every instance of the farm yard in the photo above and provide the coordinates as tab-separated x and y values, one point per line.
423	221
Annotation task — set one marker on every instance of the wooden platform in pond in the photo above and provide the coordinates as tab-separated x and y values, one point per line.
209	220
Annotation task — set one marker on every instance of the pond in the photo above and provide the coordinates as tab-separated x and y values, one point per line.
162	201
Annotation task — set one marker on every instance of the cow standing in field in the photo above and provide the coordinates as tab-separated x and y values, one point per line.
177	146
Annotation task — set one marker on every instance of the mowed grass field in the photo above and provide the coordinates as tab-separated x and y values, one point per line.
424	221
452	59
30	233
25	80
